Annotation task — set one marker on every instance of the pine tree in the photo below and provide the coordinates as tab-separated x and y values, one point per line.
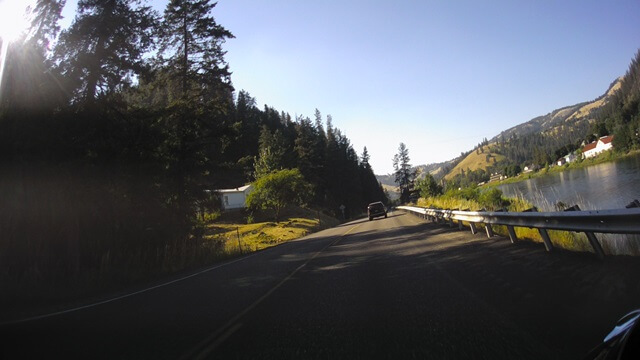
403	175
371	189
364	159
193	41
306	148
272	153
105	45
45	26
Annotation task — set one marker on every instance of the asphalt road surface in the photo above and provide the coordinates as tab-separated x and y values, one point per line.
396	288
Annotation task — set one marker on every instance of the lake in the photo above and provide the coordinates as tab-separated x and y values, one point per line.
610	185
605	186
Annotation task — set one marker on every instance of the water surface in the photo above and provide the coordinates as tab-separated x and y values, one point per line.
605	186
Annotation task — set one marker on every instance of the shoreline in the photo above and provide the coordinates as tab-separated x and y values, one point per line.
600	159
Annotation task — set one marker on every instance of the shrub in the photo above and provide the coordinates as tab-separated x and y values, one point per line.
279	189
492	199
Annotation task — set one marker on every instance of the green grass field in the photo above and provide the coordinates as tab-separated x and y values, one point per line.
232	235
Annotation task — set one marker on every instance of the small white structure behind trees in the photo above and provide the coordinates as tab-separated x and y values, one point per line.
234	198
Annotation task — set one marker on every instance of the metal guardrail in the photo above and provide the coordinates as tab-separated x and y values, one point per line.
620	221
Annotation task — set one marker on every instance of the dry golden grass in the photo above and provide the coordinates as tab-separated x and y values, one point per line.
588	108
390	188
235	236
475	161
562	239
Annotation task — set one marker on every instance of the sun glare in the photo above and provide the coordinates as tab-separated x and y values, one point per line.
14	22
13	19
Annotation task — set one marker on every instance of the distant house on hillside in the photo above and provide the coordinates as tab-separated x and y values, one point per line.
530	168
566	159
496	177
234	198
603	144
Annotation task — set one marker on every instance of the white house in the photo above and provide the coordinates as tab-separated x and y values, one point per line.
566	159
603	144
571	157
234	198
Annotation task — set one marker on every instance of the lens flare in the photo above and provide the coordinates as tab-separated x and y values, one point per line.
14	19
14	22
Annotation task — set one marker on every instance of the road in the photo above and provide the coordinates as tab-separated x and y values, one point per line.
390	288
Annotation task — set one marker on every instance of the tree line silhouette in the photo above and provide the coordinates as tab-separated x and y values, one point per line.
111	130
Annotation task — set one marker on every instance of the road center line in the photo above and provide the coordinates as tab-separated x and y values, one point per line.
125	295
211	342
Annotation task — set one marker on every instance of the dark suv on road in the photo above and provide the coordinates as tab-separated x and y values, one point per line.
376	209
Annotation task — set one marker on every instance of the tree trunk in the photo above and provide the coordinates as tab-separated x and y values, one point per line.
185	56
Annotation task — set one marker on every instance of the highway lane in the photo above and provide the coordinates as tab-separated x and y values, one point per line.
166	321
375	294
390	288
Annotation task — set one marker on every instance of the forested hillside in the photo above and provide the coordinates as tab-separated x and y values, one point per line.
621	115
544	139
110	136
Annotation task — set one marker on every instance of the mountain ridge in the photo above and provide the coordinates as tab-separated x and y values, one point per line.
556	121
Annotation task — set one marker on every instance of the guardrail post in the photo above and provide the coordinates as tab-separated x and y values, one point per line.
547	240
593	240
543	232
460	227
450	222
512	234
473	228
489	230
634	204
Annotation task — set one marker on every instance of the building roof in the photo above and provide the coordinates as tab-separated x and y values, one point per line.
590	146
606	139
238	189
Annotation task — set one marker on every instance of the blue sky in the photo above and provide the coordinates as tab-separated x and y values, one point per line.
437	75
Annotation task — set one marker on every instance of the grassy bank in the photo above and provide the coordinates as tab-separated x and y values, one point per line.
562	239
232	235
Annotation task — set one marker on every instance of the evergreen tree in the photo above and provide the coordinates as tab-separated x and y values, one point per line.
622	139
244	134
272	153
404	177
45	24
193	41
364	159
428	186
306	149
104	46
371	189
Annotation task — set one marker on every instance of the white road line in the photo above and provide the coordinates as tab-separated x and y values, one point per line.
62	312
211	342
126	295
